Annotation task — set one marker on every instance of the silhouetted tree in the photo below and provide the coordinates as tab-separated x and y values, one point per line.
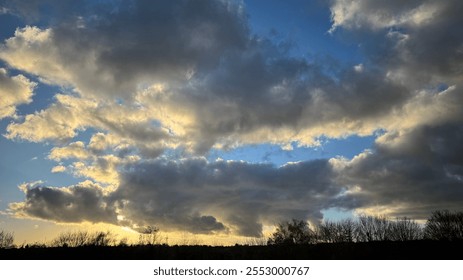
326	232
84	238
405	229
6	240
256	241
444	225
373	228
102	239
347	228
149	236
294	232
123	242
335	232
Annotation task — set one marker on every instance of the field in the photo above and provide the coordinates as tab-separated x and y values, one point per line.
409	250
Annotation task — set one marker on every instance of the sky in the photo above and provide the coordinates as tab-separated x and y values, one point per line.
222	118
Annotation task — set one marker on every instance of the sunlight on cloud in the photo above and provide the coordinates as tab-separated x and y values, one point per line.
31	50
353	14
166	194
14	91
75	150
58	169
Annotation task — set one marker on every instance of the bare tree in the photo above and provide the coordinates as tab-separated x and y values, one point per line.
84	238
335	232
6	240
347	228
405	229
102	239
373	228
294	232
327	231
256	241
189	239
71	239
149	236
123	242
444	225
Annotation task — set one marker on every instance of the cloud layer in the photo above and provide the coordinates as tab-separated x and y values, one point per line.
200	75
158	85
191	195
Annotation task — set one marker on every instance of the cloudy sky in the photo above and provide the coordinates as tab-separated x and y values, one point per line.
223	117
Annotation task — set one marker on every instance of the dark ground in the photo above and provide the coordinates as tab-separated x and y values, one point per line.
412	250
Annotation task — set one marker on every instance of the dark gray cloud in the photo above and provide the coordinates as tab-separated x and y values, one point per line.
418	39
193	195
83	202
240	195
261	89
109	51
411	174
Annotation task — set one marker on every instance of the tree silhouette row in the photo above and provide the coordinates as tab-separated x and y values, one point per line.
442	225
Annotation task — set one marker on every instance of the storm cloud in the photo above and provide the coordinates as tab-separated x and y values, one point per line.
410	174
82	202
192	195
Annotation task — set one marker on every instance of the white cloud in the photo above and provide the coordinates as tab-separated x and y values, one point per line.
75	150
87	161
353	14
58	169
14	91
69	115
60	121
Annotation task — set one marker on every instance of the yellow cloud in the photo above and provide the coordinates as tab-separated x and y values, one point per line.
75	150
58	169
14	91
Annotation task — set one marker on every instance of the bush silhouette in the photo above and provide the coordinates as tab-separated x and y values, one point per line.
84	238
364	229
149	236
445	226
373	228
405	229
336	232
6	240
294	232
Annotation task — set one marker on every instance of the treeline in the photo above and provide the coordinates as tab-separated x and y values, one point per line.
442	225
148	236
6	239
